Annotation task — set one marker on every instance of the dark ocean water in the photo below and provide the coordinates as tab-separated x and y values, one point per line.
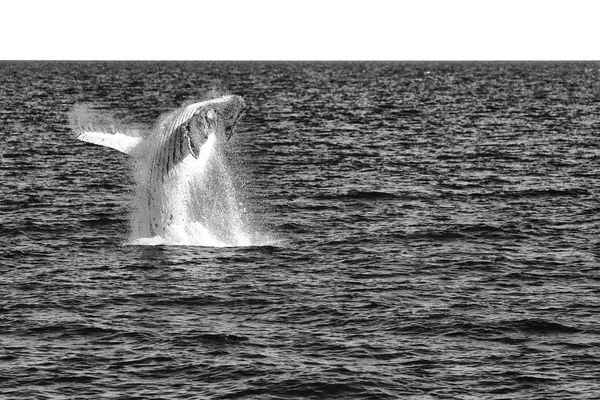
435	235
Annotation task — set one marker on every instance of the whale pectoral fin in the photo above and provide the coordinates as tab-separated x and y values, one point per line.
117	141
193	142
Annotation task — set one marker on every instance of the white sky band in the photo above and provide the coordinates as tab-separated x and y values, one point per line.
307	30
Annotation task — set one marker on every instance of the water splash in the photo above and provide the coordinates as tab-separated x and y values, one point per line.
86	117
196	205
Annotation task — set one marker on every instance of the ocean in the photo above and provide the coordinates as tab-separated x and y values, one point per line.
418	230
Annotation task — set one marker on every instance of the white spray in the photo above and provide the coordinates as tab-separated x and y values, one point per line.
196	204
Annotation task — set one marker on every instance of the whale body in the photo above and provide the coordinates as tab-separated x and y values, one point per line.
167	192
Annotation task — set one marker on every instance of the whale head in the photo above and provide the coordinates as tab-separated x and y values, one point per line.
218	116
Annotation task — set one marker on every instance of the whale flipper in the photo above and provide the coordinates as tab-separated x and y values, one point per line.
117	141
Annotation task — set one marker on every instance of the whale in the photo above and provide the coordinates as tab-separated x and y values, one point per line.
179	134
165	155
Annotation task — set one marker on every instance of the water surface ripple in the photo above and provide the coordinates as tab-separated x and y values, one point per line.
436	234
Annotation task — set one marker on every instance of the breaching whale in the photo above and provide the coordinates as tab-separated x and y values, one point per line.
164	157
